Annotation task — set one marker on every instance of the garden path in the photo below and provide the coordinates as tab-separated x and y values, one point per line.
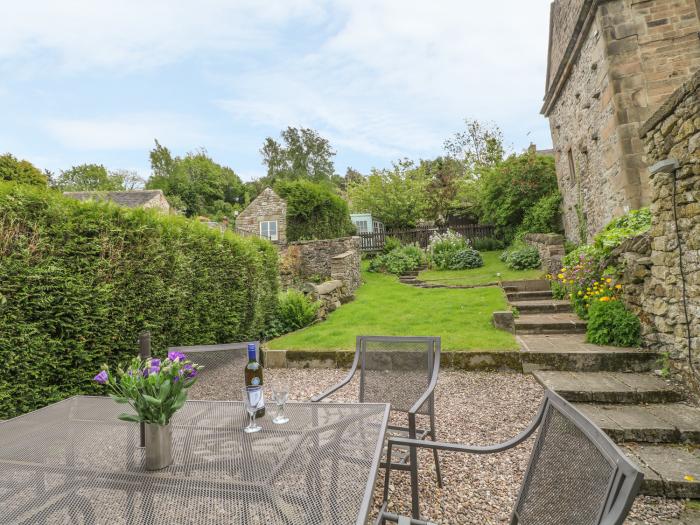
615	387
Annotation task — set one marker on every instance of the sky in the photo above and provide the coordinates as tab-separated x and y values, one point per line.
91	81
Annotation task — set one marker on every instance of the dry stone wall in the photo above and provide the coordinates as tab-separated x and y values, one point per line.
674	132
551	249
322	260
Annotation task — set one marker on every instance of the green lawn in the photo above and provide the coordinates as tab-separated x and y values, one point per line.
484	275
383	306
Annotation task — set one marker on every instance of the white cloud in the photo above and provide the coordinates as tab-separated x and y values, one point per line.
134	34
129	132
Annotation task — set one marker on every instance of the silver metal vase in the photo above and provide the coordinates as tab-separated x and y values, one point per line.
159	441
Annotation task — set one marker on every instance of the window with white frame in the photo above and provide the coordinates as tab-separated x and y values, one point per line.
268	230
362	226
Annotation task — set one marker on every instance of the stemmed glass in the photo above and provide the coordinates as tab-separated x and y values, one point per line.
280	392
252	397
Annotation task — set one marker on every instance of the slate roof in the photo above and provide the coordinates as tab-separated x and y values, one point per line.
130	199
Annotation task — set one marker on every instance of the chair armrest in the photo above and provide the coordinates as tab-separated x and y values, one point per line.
472	449
422	399
334	388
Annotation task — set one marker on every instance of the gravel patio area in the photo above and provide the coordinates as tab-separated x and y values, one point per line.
471	407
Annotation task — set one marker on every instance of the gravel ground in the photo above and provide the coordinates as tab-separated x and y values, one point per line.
476	408
471	407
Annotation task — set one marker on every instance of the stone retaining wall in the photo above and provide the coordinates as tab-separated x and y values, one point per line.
331	294
674	132
551	249
321	260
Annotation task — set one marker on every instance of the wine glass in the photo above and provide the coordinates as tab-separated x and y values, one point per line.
280	392
252	398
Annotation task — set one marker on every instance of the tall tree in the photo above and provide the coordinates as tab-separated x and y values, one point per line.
301	154
22	171
195	183
88	177
479	145
395	196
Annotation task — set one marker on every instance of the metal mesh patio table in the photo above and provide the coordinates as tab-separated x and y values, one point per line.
73	462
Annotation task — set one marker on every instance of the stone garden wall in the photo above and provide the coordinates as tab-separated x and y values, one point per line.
674	132
321	260
551	249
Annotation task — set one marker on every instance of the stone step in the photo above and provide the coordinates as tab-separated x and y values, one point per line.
607	387
672	471
531	285
549	324
571	353
515	297
653	423
543	306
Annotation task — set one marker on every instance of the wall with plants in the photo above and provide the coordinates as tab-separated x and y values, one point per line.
596	279
79	281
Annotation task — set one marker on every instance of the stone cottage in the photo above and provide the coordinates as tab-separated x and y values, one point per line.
265	217
130	199
611	64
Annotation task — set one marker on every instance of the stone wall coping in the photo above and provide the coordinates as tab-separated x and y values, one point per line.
328	286
343	255
672	102
545	238
312	241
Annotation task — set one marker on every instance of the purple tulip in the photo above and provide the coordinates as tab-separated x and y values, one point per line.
155	362
190	370
102	377
176	356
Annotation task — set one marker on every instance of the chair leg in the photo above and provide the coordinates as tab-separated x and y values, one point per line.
435	452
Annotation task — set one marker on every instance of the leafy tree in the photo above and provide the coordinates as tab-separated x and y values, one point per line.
87	177
511	187
397	196
314	211
302	154
195	183
128	179
444	182
22	171
479	145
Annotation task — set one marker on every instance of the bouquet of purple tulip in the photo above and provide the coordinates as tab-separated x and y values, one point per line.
154	388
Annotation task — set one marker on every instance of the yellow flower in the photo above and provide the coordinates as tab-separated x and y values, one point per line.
580	292
588	289
618	286
608	280
604	299
560	276
571	281
563	269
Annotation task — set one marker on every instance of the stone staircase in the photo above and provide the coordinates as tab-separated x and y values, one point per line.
615	387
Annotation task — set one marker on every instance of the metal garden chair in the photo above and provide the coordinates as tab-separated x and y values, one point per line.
576	474
402	371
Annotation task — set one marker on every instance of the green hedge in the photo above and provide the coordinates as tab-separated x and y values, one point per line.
79	281
314	212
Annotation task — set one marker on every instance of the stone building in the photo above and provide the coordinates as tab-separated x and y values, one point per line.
265	217
130	199
611	63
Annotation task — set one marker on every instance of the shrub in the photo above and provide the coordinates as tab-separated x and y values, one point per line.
398	261
523	258
610	323
465	259
296	310
314	212
543	217
21	171
443	246
487	244
81	280
390	244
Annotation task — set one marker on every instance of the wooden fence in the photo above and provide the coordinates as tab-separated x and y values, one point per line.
372	242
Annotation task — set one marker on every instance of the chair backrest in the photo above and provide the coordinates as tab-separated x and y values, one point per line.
223	374
398	370
576	475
